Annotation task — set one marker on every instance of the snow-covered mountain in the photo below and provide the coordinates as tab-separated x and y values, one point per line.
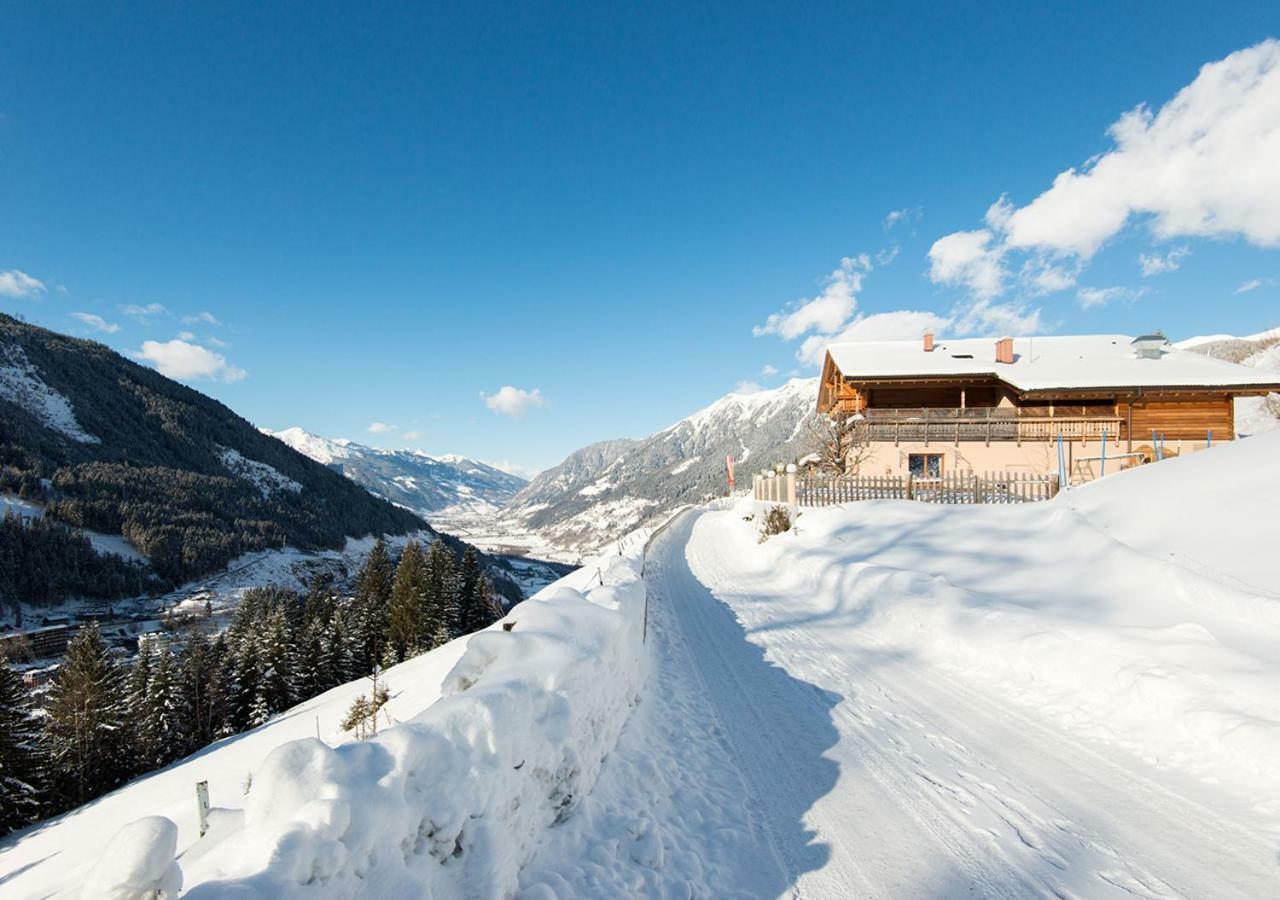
609	488
432	486
1260	351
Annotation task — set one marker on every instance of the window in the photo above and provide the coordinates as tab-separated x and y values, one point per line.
924	465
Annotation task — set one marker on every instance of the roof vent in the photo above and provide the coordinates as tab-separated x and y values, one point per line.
1150	346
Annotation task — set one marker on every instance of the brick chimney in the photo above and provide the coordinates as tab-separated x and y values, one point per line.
1004	351
928	340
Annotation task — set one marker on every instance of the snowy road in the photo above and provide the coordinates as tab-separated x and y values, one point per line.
771	756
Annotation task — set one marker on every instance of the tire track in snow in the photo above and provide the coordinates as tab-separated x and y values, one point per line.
1089	805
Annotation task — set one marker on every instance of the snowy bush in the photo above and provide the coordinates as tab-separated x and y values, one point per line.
138	864
776	521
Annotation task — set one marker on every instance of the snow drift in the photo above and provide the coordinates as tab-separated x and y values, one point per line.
1141	611
451	802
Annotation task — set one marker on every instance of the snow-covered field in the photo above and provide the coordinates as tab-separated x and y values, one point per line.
905	700
1072	699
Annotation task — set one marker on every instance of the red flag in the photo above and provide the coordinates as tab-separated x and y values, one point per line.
728	466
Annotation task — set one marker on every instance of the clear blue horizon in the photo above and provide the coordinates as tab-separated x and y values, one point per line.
508	232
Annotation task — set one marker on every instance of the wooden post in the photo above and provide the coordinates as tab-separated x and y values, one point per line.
791	485
202	805
910	486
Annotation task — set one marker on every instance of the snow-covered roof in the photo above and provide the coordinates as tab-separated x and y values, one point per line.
1068	362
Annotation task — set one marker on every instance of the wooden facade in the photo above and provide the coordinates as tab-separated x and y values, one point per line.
988	409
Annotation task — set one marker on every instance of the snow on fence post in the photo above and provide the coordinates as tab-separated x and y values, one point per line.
790	479
202	802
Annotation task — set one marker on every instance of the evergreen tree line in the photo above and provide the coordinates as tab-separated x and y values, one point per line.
105	723
42	560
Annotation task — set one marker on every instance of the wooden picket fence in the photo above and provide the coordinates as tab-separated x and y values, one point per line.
951	488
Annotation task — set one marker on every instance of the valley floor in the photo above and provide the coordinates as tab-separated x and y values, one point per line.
789	744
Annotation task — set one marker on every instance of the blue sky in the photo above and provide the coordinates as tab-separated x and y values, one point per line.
345	218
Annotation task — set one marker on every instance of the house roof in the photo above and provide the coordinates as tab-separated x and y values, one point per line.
1069	362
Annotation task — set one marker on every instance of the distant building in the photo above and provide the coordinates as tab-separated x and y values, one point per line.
935	406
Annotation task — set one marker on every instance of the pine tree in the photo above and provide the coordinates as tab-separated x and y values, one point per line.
137	704
198	699
442	600
166	718
275	687
19	736
373	593
405	615
475	595
83	735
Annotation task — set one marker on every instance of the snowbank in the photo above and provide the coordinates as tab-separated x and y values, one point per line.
138	864
1090	617
55	858
452	802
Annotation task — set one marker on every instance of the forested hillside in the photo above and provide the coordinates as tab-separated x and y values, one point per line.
115	447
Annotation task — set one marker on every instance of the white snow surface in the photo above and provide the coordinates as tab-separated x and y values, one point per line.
138	863
20	383
56	858
1045	363
453	801
1072	699
908	700
267	479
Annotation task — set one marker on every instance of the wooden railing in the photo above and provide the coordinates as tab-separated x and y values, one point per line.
994	424
952	488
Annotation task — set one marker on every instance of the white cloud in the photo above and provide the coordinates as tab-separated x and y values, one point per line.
214	342
14	283
184	360
968	259
511	468
1155	264
768	371
97	323
413	435
205	318
908	215
900	325
990	318
1203	165
1040	276
513	401
888	255
142	312
381	427
1093	297
186	336
825	312
1254	283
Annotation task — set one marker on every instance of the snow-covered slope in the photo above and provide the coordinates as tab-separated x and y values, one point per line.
907	700
432	486
497	737
606	489
1260	351
55	857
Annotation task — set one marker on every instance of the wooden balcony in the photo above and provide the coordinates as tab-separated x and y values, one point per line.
986	425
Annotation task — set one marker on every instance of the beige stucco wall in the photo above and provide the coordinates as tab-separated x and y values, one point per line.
1035	458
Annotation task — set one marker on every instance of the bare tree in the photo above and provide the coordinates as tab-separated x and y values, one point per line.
840	441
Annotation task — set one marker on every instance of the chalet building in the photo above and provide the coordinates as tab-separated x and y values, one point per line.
931	407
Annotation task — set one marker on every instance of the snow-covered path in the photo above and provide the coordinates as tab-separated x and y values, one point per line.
771	756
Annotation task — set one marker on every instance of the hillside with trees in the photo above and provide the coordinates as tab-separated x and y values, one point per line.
115	447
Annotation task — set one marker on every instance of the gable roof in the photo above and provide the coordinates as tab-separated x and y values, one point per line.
1066	362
